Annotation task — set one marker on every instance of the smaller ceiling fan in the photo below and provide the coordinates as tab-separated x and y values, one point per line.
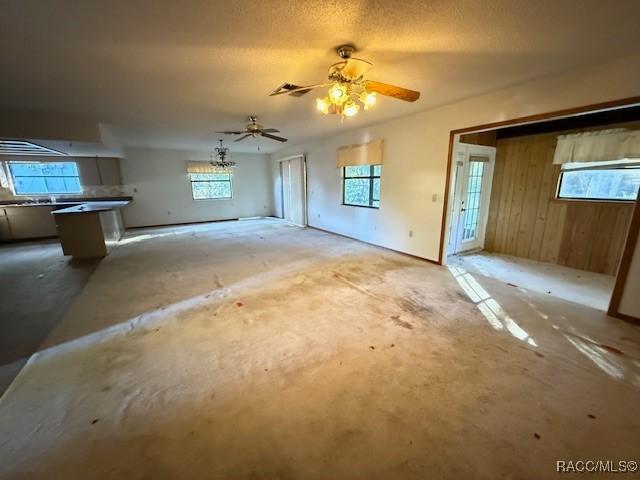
254	129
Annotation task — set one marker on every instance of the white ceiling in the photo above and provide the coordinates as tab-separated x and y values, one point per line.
168	73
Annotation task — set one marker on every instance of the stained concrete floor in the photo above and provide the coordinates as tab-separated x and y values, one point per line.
257	349
579	286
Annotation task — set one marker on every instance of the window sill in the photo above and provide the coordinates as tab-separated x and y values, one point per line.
360	206
587	200
211	199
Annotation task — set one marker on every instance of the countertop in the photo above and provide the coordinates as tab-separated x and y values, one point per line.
91	207
61	201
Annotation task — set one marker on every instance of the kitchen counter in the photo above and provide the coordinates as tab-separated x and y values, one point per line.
91	207
61	201
91	229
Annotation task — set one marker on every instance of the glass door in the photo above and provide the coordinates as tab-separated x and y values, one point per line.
471	197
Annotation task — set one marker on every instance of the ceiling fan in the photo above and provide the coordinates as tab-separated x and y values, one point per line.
254	129
348	87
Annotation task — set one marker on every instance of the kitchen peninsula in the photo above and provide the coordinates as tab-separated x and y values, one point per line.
91	229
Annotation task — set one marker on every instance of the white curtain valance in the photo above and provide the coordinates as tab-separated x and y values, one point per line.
370	153
200	167
598	146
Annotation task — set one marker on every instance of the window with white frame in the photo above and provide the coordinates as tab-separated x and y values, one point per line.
208	186
616	180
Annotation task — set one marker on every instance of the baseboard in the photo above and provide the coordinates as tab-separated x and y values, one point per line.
626	318
424	259
181	223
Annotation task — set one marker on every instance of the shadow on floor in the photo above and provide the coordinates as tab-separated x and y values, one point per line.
39	285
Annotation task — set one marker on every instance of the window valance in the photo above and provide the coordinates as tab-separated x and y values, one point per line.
200	167
370	153
598	146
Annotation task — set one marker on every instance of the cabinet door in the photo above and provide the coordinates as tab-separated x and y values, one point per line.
31	222
5	232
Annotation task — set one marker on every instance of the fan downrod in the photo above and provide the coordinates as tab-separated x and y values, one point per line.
345	51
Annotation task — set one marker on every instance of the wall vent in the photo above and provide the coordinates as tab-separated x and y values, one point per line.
21	147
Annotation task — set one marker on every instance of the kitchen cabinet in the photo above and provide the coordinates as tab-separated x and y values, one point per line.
5	232
24	222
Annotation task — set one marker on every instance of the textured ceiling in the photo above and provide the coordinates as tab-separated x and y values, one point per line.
168	74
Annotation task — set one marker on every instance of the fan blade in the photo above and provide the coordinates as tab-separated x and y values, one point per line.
355	68
272	137
392	91
233	133
242	138
270	130
282	89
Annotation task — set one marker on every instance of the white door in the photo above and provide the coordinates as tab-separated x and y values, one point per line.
294	198
472	178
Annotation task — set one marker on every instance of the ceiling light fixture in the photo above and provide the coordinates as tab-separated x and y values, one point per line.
345	99
222	165
348	89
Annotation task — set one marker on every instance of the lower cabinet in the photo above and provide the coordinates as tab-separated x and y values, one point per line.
20	223
5	232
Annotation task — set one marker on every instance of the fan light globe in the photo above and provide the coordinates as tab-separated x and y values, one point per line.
323	104
351	108
368	99
338	93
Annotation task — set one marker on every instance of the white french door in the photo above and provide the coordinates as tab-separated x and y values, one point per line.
473	174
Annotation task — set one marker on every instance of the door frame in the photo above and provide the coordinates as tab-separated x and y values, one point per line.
539	117
459	184
304	186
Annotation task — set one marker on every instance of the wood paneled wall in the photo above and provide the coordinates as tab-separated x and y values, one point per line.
525	219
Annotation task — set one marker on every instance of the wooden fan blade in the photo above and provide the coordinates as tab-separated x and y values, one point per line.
272	137
392	91
233	133
355	68
285	88
270	130
242	138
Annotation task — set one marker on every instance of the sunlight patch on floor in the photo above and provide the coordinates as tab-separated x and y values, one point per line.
488	306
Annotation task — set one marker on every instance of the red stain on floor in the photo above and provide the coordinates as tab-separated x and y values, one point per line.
239	304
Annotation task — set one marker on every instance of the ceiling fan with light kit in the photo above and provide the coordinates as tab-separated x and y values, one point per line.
348	89
255	130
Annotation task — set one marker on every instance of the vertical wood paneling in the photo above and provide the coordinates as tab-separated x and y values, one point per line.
526	220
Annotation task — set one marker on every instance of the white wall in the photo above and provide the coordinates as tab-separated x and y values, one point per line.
158	181
416	146
630	300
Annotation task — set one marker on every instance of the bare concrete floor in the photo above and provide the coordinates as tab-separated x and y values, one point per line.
37	286
256	349
579	286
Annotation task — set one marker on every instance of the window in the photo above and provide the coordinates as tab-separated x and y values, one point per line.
615	181
42	178
361	186
206	186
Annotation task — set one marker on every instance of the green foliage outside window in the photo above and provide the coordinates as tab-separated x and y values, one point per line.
361	185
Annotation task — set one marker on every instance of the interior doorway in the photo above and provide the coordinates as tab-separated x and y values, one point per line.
471	186
543	217
294	189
